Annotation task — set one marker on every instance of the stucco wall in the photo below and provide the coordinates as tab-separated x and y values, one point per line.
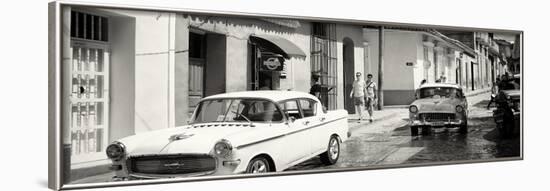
181	76
371	36
399	80
151	69
122	78
236	64
419	68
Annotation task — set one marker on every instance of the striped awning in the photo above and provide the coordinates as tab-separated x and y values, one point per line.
278	45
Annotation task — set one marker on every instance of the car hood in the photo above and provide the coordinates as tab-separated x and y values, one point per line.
512	93
436	104
185	139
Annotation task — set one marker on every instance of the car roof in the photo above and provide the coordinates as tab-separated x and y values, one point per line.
445	85
273	95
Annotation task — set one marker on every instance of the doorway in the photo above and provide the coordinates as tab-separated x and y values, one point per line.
197	63
348	62
264	68
207	62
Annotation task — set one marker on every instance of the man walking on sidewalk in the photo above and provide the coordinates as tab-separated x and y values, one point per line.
370	96
358	95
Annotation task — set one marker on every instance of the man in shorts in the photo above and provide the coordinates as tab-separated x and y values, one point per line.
370	96
358	95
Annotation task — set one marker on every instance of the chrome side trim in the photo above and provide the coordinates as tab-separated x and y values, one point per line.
279	136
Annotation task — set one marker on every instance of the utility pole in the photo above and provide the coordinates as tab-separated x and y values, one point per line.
380	91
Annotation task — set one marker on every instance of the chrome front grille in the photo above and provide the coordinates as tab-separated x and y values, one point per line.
171	164
429	117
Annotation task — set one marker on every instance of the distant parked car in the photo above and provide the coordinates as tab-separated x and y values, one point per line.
438	105
232	133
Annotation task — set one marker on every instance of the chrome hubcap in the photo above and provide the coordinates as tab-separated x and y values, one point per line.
259	166
333	150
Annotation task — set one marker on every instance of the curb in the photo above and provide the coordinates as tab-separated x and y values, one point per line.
396	107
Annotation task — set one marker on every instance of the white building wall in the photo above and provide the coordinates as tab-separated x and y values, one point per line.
371	36
401	47
152	69
418	68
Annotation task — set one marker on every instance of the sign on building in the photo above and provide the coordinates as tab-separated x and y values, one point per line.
272	62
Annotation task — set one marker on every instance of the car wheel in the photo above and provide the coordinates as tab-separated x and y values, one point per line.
463	129
414	131
333	151
258	165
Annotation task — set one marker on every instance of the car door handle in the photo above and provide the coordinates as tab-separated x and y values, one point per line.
322	119
306	122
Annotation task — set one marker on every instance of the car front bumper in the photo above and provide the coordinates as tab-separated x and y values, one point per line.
437	123
223	167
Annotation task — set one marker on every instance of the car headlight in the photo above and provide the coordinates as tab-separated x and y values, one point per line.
413	109
459	109
116	151
223	148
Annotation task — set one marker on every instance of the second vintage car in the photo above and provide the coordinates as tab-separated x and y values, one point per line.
507	116
438	105
239	132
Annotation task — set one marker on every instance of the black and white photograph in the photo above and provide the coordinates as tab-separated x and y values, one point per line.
148	95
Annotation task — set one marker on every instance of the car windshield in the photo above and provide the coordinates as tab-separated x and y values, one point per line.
511	84
440	92
237	110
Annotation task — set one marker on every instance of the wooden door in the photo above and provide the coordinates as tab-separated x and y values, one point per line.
196	82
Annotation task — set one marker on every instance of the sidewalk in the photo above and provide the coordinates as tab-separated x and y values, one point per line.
477	92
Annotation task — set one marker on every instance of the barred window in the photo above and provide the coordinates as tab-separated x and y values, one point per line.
89	27
323	61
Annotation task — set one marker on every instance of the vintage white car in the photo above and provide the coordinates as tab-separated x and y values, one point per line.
240	132
438	105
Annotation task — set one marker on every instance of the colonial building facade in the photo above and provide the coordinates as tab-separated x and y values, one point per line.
130	71
126	72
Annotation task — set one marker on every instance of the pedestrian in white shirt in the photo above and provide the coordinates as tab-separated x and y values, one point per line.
358	95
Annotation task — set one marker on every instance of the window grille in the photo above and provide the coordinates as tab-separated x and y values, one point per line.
323	61
89	27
